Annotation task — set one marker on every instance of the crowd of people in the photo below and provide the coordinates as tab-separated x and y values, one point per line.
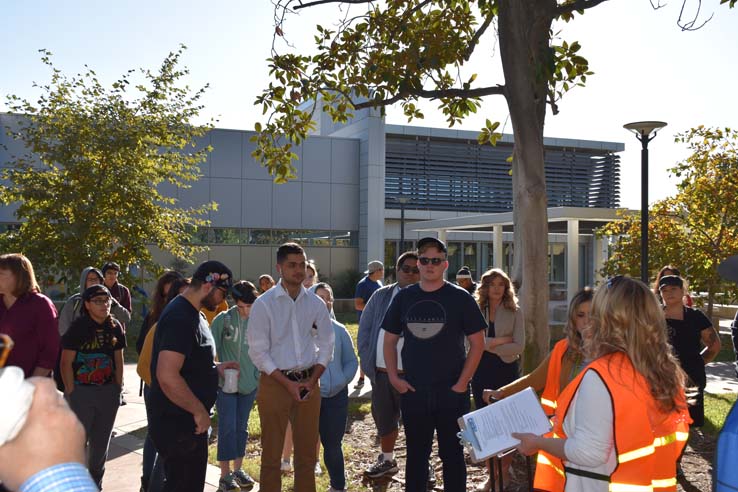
623	386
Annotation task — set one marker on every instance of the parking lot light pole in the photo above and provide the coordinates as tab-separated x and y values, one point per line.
645	131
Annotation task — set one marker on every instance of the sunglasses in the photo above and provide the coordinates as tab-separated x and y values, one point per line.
434	261
409	269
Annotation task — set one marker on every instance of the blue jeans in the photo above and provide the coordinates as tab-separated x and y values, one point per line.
425	411
333	416
153	471
233	423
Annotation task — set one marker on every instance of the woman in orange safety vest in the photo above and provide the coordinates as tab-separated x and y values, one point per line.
621	424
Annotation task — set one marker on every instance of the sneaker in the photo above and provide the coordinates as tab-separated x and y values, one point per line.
318	469
228	484
244	480
382	467
286	466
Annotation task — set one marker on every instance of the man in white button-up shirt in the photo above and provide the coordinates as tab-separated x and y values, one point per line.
291	342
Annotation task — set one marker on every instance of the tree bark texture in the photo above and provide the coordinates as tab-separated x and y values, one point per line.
524	34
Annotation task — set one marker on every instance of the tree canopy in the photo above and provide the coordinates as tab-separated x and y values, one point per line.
400	51
696	229
87	187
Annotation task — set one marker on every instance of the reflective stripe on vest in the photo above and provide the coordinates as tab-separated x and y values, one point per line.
543	460
626	487
667	482
548	403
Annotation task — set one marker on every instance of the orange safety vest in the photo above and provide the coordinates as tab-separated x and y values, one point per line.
546	472
553	377
647	441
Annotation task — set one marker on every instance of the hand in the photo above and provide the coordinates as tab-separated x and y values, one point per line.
401	385
459	388
222	366
528	443
202	421
51	435
496	394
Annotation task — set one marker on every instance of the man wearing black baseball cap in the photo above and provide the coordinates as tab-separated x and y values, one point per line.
434	317
184	378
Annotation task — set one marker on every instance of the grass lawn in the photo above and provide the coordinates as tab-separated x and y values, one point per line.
716	410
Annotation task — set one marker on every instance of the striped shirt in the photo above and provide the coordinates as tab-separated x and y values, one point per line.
65	477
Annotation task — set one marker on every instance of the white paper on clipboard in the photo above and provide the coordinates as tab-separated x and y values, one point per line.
487	431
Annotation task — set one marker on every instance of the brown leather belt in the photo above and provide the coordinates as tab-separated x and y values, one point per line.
298	375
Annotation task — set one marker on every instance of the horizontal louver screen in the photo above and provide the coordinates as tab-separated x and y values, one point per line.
464	176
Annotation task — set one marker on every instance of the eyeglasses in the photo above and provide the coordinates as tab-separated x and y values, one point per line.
409	269
100	302
425	261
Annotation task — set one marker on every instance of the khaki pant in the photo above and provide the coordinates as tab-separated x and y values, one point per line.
276	407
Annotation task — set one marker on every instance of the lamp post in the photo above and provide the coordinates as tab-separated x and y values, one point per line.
645	131
402	200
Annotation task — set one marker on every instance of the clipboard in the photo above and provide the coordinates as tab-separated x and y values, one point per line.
486	432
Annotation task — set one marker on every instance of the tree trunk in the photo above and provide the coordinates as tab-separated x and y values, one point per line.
524	33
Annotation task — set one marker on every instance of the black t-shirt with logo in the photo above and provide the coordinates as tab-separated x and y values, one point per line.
685	337
95	344
434	325
183	329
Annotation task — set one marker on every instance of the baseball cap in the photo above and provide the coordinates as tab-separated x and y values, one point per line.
216	273
95	291
464	272
671	280
374	266
432	241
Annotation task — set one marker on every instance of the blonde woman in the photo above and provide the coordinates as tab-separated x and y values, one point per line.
504	341
622	422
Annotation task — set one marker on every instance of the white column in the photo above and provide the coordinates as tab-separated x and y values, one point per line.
497	246
442	234
599	256
374	182
572	258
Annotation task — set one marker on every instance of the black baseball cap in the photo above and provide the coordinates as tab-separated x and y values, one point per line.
216	273
674	280
431	241
96	290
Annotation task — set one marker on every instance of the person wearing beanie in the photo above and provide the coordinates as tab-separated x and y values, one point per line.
465	280
92	373
184	378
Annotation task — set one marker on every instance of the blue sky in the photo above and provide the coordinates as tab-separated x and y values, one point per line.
645	67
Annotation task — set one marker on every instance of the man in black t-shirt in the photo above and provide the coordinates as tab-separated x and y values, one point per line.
184	378
434	316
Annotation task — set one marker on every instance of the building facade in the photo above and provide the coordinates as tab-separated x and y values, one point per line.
353	181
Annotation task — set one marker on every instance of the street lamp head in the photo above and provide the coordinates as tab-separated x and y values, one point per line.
402	200
643	129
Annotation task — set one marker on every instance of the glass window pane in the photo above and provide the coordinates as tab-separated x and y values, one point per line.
470	258
229	235
258	236
454	258
390	258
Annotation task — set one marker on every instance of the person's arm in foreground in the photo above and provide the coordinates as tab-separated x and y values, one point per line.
48	454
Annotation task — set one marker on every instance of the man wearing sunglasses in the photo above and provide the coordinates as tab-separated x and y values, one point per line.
184	378
385	398
435	317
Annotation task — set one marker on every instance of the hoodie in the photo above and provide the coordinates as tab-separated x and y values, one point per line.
73	307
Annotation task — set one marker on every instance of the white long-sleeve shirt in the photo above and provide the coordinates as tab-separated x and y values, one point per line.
589	435
289	334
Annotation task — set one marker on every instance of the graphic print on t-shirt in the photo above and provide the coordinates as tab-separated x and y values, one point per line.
425	319
92	367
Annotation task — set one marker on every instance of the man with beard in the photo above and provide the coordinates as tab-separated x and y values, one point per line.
184	378
291	342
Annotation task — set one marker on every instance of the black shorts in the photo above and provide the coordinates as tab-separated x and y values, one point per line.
385	405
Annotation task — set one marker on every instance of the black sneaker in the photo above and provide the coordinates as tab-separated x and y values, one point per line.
244	480
382	467
228	484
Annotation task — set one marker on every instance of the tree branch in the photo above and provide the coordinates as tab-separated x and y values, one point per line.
320	2
477	36
434	94
570	7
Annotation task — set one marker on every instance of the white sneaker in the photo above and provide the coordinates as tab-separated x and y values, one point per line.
318	469
286	466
